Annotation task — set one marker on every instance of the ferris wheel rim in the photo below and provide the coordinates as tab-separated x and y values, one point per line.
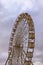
31	25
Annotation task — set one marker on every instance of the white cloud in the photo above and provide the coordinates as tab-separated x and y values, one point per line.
38	63
23	4
40	3
6	3
27	5
4	54
16	6
3	57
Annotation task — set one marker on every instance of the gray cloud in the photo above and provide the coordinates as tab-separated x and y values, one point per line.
7	18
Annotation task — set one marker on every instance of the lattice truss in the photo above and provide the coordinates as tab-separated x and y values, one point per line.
22	41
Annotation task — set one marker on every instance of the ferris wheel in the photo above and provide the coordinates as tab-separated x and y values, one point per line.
22	41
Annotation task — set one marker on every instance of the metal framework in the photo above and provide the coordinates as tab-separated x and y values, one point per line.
21	51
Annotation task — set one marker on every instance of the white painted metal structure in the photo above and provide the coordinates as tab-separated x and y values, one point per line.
22	41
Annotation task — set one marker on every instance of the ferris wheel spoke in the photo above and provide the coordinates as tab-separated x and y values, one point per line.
22	40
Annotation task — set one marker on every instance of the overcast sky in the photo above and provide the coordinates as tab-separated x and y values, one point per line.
9	10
